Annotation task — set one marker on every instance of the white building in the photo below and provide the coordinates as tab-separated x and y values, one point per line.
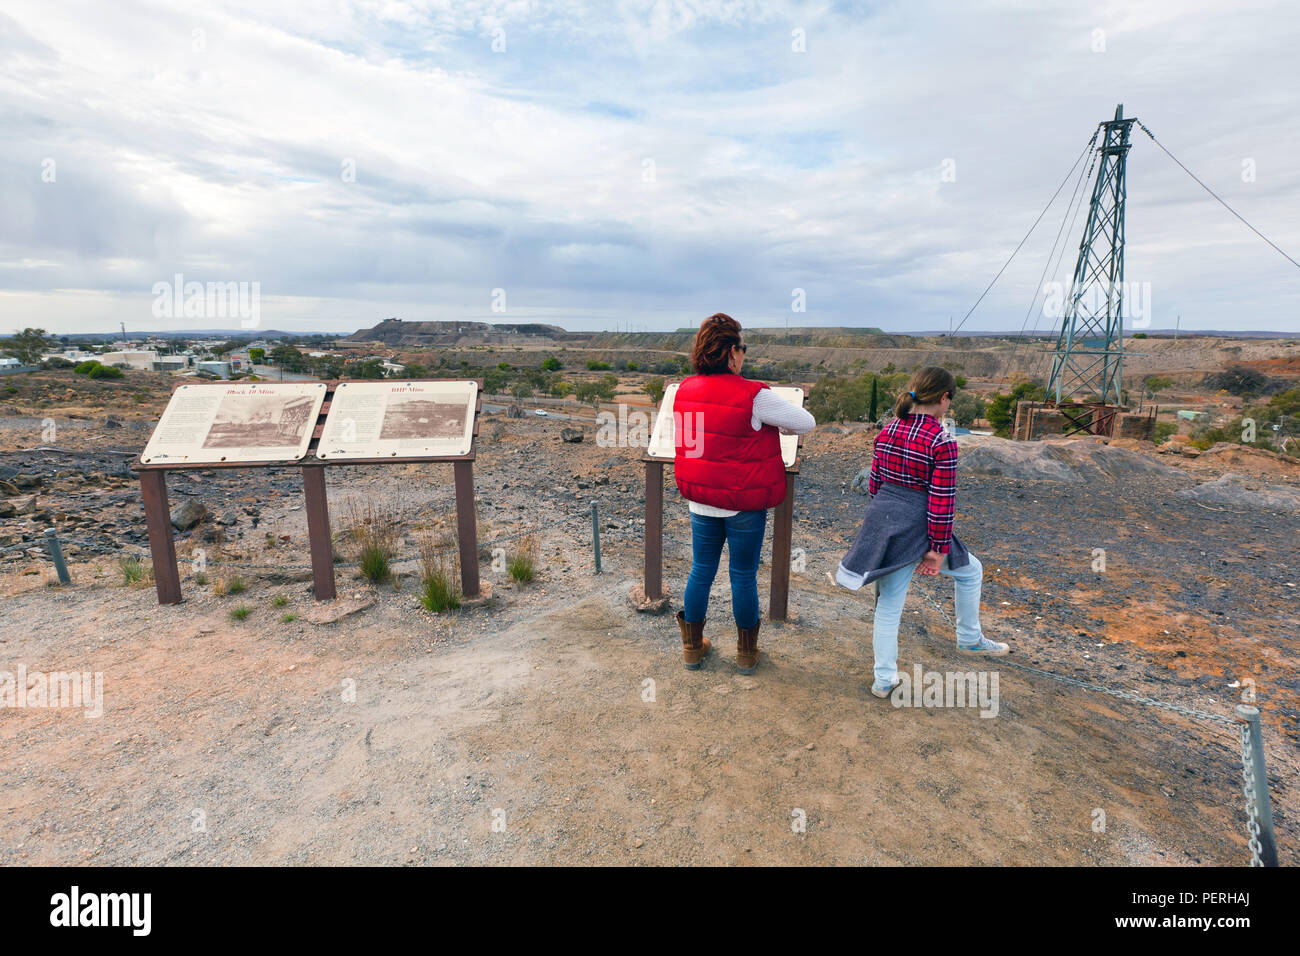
72	355
143	360
219	369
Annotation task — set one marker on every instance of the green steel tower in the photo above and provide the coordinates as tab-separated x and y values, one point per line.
1089	356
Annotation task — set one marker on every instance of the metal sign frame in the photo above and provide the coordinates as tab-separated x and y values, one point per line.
162	544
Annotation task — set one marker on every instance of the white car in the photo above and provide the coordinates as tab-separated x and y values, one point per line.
539	411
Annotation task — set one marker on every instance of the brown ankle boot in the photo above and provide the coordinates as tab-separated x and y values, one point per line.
747	648
694	644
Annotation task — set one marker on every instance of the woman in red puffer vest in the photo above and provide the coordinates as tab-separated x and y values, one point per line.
726	430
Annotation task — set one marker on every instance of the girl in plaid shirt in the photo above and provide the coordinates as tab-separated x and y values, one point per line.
909	524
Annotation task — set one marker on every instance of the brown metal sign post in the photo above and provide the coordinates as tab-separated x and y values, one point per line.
318	532
654	529
162	547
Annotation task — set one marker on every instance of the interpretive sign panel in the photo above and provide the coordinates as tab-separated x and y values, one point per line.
661	438
399	420
238	422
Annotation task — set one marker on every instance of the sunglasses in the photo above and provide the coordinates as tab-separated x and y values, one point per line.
742	347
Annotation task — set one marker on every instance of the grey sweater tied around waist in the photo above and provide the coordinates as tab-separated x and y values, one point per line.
894	534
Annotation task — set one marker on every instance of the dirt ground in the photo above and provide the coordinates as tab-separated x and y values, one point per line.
551	723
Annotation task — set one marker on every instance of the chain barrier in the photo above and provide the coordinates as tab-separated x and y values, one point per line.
1248	788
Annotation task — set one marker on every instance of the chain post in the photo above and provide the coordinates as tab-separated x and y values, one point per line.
56	555
1259	809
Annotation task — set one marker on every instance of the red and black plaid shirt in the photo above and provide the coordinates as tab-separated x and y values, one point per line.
915	451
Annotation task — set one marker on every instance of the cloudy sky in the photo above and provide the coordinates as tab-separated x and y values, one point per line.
632	164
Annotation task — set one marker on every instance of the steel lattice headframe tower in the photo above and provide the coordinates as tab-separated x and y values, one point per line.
1089	355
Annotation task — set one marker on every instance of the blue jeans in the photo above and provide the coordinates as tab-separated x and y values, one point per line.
889	611
743	534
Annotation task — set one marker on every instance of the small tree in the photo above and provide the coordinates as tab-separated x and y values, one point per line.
655	389
369	368
552	364
327	366
26	346
966	408
289	358
1156	383
1001	410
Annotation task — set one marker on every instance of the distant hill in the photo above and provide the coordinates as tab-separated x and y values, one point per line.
397	333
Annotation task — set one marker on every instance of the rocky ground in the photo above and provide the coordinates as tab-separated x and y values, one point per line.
550	722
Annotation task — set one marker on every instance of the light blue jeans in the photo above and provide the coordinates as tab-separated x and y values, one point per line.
889	611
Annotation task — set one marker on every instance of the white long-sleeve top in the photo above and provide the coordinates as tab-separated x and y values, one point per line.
768	410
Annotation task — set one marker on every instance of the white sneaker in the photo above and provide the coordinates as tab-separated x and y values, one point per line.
883	692
985	648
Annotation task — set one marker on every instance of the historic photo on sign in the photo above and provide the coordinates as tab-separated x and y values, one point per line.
259	421
236	422
399	420
415	416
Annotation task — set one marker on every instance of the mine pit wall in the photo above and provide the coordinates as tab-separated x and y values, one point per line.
1037	420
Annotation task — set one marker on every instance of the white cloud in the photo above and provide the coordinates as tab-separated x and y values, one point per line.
224	155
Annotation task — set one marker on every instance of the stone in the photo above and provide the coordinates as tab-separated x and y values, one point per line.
23	506
9	489
1065	460
644	605
514	411
571	435
227	519
1242	493
187	514
1233	453
1132	444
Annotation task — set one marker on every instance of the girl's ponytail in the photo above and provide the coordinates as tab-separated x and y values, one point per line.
927	387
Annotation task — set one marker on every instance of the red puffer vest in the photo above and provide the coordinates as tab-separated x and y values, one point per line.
721	460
